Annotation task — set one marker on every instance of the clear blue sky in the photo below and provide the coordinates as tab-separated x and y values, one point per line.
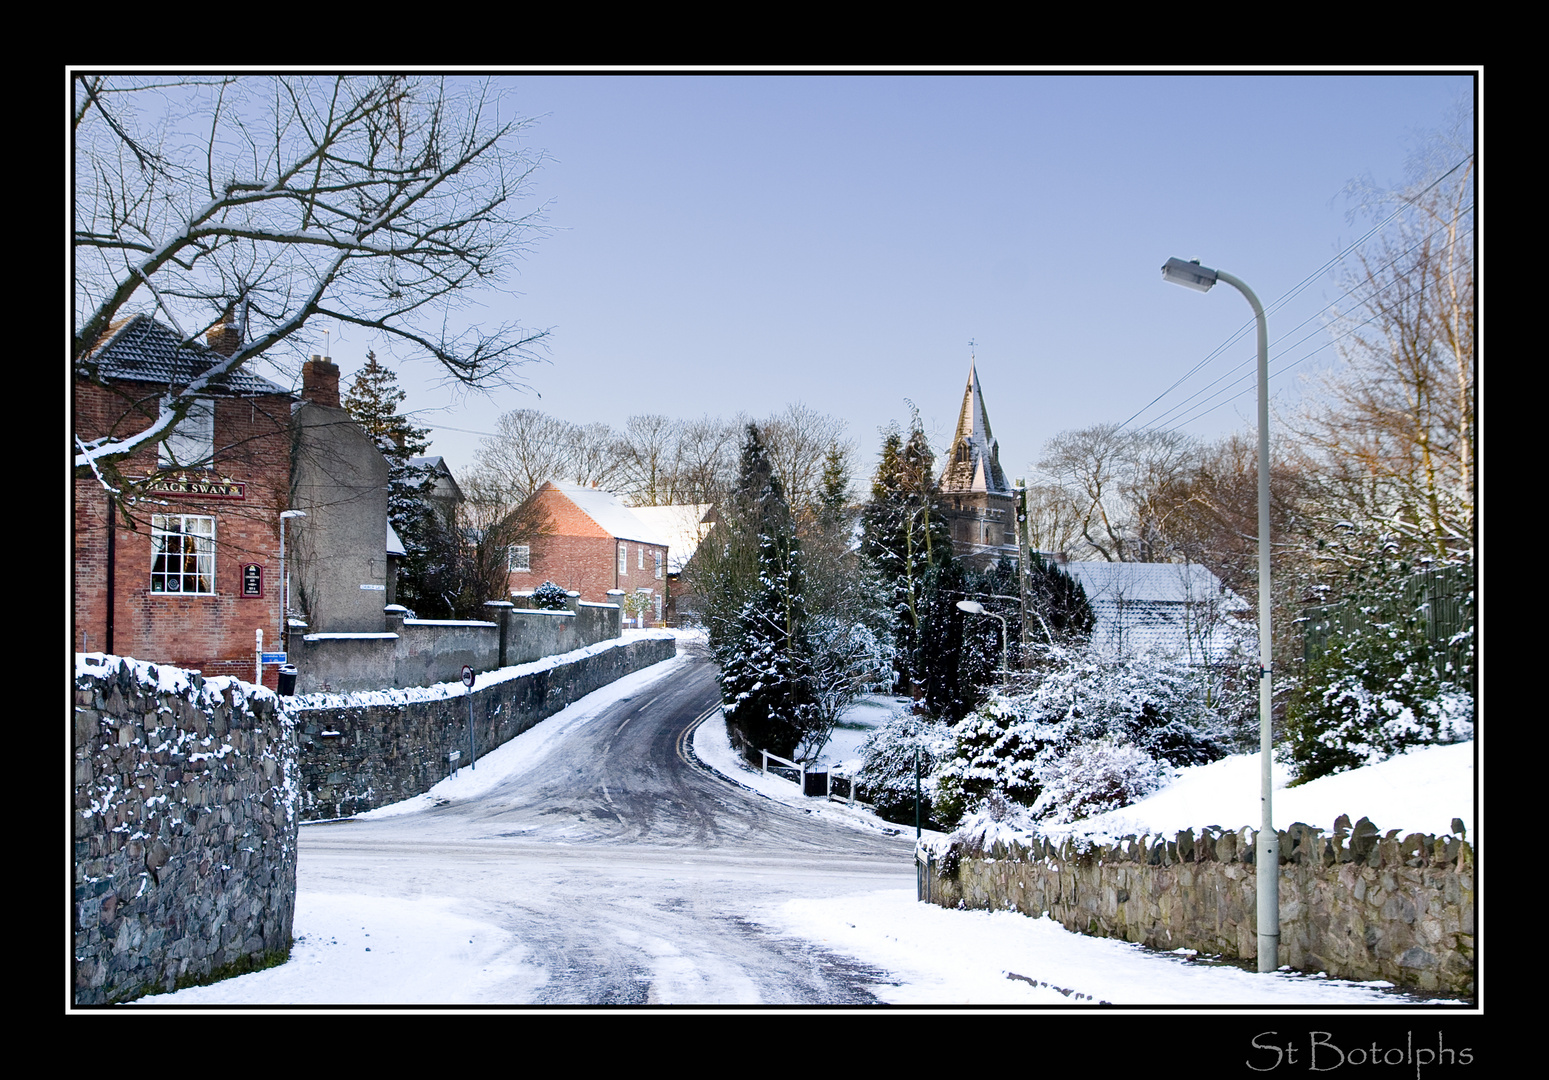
736	243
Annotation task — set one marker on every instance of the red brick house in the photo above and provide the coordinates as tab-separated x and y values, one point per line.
596	544
193	573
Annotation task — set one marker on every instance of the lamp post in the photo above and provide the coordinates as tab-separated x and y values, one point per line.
973	607
1192	275
284	581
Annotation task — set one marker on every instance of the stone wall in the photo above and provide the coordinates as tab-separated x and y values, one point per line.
355	757
423	652
185	795
1356	904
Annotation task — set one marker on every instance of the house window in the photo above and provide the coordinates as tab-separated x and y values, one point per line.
623	558
519	557
192	442
183	554
658	566
642	557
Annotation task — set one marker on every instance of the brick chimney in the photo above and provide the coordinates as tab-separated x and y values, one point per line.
225	337
320	381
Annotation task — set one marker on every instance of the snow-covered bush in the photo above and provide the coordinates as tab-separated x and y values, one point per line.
993	750
1376	693
1387	679
1011	744
550	597
1093	778
888	765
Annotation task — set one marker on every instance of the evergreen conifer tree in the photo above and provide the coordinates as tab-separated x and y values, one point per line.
762	649
904	534
1058	610
372	401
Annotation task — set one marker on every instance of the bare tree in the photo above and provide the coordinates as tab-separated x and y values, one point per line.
1394	431
265	202
528	449
799	439
648	457
1115	489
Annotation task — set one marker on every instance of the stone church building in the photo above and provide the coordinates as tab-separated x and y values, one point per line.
979	501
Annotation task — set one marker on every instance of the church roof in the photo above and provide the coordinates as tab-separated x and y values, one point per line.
973	461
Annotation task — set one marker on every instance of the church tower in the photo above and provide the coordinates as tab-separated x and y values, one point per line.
979	502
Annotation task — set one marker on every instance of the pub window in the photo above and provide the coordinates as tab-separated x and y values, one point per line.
519	557
183	554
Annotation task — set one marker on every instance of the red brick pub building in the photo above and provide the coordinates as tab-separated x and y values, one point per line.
190	573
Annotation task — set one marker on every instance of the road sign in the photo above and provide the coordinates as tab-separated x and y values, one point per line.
468	676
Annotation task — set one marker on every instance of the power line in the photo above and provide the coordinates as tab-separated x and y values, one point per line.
1406	202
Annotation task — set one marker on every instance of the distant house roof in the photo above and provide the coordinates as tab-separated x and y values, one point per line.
143	350
610	515
682	528
446	485
1178	608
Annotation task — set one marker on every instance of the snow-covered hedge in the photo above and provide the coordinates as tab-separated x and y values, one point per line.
1382	686
1019	743
887	774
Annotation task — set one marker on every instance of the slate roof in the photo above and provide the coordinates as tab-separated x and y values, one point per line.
143	350
973	461
1178	608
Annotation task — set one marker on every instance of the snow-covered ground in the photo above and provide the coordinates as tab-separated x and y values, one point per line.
362	950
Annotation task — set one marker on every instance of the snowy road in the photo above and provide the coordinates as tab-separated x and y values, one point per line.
589	862
615	872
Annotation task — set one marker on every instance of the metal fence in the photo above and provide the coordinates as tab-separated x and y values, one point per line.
1442	599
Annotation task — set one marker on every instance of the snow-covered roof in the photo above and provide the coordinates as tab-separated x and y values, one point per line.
1178	608
394	545
616	519
1166	582
683	526
143	350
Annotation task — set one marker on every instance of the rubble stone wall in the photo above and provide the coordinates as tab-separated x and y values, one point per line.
184	825
1356	904
358	757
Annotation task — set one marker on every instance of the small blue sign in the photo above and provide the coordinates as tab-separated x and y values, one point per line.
272	657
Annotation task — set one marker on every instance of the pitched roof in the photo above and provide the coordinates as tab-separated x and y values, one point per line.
611	515
143	350
683	526
973	462
1177	608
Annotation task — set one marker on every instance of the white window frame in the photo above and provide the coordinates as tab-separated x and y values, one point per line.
191	444
519	558
658	565
623	558
642	558
182	555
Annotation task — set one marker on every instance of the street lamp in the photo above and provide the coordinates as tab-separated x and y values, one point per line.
973	607
284	581
1191	275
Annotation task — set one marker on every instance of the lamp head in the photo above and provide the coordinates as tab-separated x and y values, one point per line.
1190	275
973	607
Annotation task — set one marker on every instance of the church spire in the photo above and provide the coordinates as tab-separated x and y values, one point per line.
973	462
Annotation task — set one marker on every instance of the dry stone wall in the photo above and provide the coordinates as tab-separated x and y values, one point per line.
184	820
1355	904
